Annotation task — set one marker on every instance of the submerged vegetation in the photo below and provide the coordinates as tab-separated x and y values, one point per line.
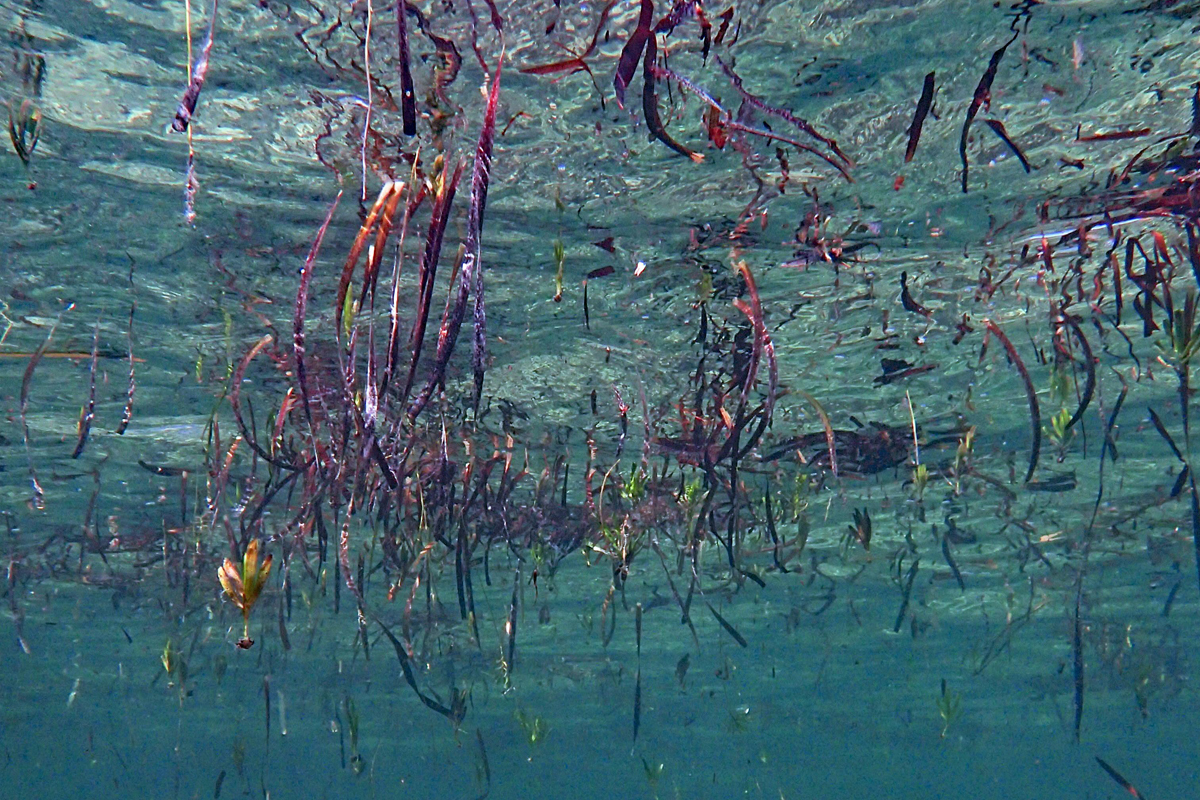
841	433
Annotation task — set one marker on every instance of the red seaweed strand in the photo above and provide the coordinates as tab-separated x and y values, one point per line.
302	308
1035	414
631	53
88	412
981	98
923	106
439	216
127	414
650	106
408	98
803	124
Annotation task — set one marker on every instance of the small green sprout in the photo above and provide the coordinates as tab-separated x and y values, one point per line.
962	457
949	705
176	668
920	479
1060	385
535	728
357	763
1059	431
861	530
704	289
1183	334
635	488
560	259
801	494
654	771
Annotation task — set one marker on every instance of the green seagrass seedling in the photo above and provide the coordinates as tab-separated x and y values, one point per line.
1059	432
949	705
535	728
920	479
635	488
1183	334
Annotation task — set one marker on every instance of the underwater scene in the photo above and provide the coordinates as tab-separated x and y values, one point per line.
611	399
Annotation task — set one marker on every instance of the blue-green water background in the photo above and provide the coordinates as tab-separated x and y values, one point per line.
834	705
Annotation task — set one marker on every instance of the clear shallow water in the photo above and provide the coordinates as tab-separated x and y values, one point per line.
837	691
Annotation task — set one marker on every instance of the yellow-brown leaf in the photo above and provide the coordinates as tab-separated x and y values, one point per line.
231	582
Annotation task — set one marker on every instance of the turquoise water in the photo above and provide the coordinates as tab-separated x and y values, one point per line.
710	617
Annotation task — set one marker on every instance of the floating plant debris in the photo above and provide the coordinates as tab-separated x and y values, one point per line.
24	129
1116	776
199	71
923	105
